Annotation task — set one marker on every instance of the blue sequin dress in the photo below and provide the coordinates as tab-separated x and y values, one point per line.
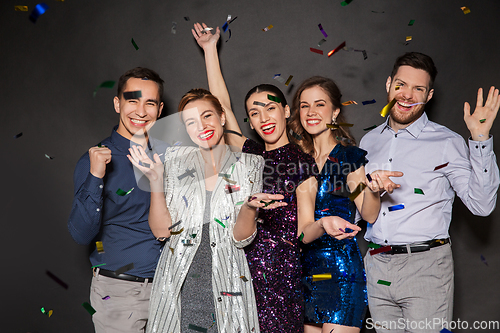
342	299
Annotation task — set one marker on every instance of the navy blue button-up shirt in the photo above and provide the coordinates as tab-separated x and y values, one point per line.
120	222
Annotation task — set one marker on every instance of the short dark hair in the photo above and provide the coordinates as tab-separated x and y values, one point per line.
419	61
269	88
140	73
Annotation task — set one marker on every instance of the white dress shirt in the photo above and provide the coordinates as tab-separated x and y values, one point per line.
472	173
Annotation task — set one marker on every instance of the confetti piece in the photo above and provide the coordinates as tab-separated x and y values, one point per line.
357	191
50	313
370	128
369	102
408	38
229	36
132	94
416	103
125	268
336	49
187	242
387	108
232	188
89	308
316	50
49	157
186	18
288	80
259	103
98	265
173	30
267	203
349	103
245	120
444	330
365	56
21	8
105	298
244	278
225	26
321	42
123	193
218	221
224	175
418	191
239	203
348	230
441	166
301	237
396	207
233	132
342	230
321	277
483	259
335	126
345	2
250	198
326	209
322	31
269	27
411	22
18	135
42	310
374	246
466	10
187	173
273	98
185	200
369	177
105	84
295	135
381	249
482	120
40	9
174	225
172	249
135	45
197	328
227	293
226	218
99	247
385	283
176	232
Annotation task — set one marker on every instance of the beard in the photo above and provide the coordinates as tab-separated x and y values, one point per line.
406	117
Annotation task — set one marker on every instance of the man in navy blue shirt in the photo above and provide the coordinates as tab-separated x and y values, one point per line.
110	209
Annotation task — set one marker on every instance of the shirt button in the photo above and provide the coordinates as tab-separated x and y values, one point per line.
477	146
483	147
100	186
213	244
98	209
219	299
485	170
395	135
383	213
385	241
390	160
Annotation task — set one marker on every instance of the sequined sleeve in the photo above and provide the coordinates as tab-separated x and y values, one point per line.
354	158
252	147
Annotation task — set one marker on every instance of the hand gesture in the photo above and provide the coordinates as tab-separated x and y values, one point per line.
203	37
152	170
265	201
99	157
337	227
382	182
479	123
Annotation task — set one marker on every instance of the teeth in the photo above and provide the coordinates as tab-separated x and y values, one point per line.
206	135
313	121
138	121
268	127
406	105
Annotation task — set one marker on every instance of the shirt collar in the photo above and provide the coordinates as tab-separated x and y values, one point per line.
414	129
122	143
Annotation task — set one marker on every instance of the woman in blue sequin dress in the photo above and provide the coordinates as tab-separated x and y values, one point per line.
337	300
273	256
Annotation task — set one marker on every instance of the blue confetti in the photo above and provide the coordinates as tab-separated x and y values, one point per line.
397	207
369	102
39	10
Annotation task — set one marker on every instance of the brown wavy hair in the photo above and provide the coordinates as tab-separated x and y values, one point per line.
200	93
303	139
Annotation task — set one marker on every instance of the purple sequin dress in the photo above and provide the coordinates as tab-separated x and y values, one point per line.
274	255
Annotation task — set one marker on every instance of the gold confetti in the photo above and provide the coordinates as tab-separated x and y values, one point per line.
267	28
408	38
100	248
387	108
466	10
321	277
176	232
349	103
21	8
357	191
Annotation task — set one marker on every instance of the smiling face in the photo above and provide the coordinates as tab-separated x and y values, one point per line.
268	118
410	88
138	113
203	124
316	110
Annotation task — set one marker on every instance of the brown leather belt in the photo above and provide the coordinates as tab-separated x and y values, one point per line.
122	276
414	248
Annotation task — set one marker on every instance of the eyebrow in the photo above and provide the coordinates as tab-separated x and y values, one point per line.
192	118
401	81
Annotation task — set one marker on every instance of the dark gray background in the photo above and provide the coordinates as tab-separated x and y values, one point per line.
50	70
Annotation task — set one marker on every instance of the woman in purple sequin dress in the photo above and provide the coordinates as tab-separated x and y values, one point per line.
274	255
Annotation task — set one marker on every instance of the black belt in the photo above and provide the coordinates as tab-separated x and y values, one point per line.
398	249
112	274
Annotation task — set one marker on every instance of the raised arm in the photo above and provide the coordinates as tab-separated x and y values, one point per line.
208	42
159	216
479	123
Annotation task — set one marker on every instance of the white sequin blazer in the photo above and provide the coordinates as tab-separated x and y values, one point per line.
185	196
